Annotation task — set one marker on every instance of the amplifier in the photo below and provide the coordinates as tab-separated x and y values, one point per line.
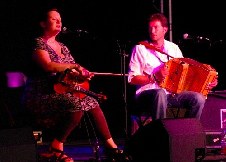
213	139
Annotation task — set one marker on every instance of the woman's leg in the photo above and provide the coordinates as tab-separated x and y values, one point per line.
102	126
67	124
64	128
113	152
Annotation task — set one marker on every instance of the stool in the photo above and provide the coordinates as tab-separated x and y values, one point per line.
175	112
139	120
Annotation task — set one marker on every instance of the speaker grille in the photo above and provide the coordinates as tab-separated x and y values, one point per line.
168	140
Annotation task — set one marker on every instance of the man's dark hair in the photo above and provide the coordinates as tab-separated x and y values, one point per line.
160	17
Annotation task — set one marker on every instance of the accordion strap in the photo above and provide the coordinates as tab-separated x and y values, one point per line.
147	45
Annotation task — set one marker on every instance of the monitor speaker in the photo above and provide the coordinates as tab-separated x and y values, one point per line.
17	144
210	117
168	140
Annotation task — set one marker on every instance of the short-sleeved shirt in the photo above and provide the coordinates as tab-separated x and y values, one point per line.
147	61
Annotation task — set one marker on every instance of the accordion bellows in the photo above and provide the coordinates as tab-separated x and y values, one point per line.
188	74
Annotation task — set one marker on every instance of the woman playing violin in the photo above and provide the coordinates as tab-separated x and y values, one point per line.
48	58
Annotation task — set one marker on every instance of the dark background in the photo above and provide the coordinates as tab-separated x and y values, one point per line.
112	28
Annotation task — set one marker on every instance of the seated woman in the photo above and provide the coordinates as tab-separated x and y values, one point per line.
51	57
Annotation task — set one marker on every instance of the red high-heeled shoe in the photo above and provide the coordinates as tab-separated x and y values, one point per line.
54	155
60	155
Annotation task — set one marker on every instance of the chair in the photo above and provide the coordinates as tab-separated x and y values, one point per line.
141	119
47	124
138	120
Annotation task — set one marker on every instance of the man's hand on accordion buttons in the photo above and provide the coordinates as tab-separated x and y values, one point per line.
162	73
213	83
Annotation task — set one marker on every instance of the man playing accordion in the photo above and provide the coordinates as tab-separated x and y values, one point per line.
148	69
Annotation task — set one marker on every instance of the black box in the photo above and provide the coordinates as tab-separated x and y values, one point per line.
17	145
213	139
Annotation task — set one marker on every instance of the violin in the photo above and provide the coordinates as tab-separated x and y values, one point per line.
77	85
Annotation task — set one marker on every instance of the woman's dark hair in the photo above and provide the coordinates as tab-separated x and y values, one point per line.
42	15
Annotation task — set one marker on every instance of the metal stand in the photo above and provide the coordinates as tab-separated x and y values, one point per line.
122	53
95	144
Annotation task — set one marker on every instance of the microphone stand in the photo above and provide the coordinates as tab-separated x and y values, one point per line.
123	72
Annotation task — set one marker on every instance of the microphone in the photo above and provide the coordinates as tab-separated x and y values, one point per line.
203	38
65	30
187	36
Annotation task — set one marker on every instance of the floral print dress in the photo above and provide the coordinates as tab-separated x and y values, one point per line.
39	96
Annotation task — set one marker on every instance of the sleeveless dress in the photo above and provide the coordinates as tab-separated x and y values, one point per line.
39	96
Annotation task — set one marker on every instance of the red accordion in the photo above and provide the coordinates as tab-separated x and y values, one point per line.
188	74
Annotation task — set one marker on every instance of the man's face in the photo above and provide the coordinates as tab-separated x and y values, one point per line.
156	30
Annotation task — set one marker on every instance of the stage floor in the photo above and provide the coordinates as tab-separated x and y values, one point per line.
83	151
80	151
